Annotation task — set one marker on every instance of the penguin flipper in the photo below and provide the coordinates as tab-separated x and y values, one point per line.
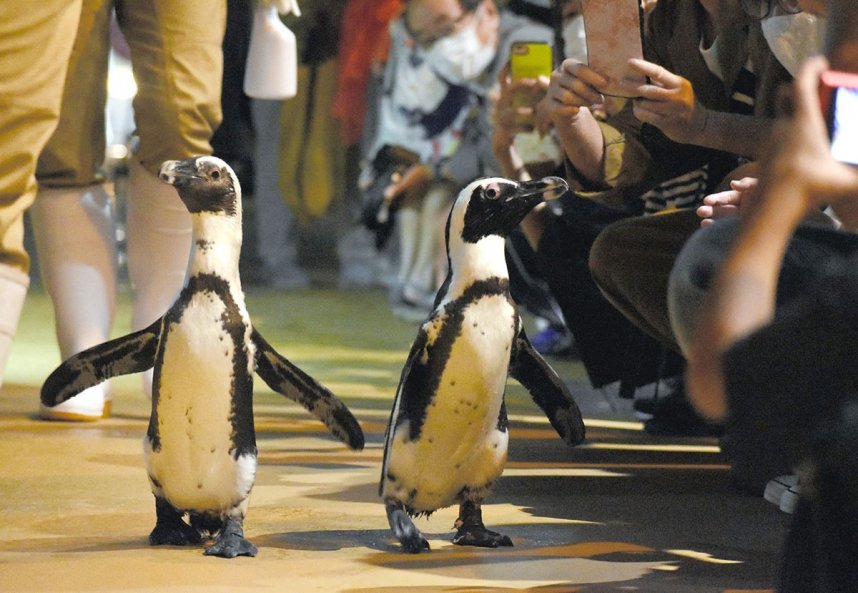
132	353
286	378
547	390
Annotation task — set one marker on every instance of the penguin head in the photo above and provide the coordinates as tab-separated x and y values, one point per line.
205	184
495	206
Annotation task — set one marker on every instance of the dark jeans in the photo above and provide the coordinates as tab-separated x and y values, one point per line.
610	347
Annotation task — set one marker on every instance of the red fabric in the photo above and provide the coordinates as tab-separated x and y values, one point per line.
363	41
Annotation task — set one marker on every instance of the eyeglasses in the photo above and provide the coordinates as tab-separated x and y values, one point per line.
761	9
426	29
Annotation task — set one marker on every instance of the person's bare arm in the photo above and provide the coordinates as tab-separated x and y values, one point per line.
571	91
797	176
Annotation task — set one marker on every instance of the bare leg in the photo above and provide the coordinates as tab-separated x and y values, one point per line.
472	532
403	528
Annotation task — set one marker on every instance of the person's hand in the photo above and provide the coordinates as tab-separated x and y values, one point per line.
516	108
668	103
726	203
283	6
408	182
572	86
798	164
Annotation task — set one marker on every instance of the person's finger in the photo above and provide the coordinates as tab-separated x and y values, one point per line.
744	184
583	72
723	197
660	108
657	74
704	211
723	211
562	110
576	93
645	114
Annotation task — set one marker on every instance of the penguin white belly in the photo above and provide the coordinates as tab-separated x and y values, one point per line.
460	447
195	466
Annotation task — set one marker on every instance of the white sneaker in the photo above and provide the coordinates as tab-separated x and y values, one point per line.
783	491
88	406
789	500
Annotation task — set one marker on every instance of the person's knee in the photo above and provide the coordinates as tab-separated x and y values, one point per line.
610	255
692	274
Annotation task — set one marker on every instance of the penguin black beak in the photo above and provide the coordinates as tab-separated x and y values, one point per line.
178	172
548	188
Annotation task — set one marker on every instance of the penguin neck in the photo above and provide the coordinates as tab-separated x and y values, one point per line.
472	262
216	245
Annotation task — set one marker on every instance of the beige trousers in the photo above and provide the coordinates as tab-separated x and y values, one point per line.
177	59
34	47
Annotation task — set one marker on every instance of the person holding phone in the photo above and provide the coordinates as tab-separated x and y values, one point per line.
623	167
632	260
779	368
639	291
444	59
603	337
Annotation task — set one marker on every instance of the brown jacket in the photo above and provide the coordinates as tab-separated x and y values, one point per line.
639	156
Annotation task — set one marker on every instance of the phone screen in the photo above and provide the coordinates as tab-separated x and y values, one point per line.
843	125
530	59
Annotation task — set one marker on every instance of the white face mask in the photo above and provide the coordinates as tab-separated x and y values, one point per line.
794	38
574	39
461	56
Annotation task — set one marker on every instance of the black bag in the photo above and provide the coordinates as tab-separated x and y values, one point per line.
376	210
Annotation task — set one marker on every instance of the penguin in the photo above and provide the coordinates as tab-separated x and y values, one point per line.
446	440
200	446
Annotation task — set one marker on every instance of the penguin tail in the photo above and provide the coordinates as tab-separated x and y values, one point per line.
286	378
133	353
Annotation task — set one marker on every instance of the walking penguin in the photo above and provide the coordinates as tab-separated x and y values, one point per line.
446	440
200	447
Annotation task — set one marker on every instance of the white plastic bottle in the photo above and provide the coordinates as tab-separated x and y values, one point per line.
272	60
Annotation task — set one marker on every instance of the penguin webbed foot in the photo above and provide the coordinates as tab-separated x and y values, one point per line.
472	532
473	535
403	528
230	542
170	529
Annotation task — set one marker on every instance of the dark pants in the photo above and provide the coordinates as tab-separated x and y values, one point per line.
611	348
631	262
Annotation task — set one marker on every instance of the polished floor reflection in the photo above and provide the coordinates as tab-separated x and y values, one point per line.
622	512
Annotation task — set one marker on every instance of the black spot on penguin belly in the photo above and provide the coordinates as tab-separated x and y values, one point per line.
243	435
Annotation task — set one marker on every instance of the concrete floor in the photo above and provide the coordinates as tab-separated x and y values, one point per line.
622	512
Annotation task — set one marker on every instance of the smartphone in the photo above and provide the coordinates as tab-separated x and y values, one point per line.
530	59
838	97
614	34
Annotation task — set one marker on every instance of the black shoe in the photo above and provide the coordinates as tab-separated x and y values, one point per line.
673	415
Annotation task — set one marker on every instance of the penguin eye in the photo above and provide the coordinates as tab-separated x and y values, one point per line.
491	193
215	175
